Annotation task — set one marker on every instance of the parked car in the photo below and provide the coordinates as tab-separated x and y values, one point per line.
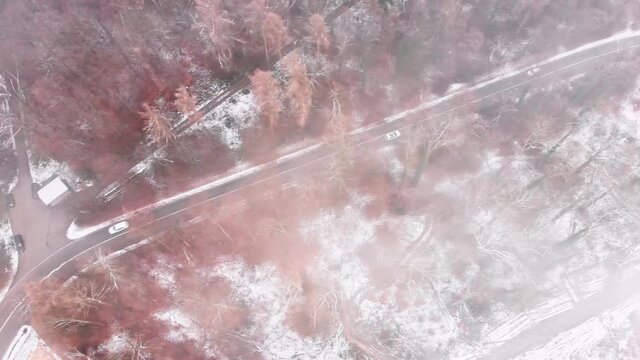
18	242
392	135
10	200
118	227
35	187
25	329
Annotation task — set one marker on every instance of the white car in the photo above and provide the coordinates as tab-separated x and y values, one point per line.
392	135
118	227
533	71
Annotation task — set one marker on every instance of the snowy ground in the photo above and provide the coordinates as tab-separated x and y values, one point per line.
582	342
7	143
27	345
228	120
6	245
43	170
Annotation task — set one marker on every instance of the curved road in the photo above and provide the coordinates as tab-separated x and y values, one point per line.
583	60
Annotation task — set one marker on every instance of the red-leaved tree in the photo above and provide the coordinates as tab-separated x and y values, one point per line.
267	94
76	314
299	90
319	33
186	103
274	33
156	125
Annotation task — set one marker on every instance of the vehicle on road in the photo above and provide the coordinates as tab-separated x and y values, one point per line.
392	135
10	200
118	227
18	242
533	71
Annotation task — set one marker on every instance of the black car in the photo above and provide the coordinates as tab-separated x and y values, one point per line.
9	199
35	187
18	242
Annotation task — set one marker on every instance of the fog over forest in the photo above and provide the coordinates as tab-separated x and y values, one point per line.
320	179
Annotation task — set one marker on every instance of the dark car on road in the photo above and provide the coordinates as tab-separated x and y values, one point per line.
18	242
10	200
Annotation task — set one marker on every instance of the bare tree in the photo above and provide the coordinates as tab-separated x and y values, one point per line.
219	27
66	309
136	349
156	125
105	266
423	143
338	121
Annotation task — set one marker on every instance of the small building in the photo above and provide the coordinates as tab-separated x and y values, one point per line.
54	191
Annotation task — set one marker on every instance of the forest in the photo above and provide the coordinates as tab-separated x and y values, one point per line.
369	256
414	250
102	83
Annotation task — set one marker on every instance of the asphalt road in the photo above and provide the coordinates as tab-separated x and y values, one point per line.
168	215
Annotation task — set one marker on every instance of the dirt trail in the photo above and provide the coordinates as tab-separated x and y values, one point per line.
615	293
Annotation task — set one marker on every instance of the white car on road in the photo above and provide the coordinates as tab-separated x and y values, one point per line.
118	227
533	71
392	135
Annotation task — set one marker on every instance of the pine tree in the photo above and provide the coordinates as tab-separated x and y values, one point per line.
156	125
186	104
319	32
299	90
274	33
267	94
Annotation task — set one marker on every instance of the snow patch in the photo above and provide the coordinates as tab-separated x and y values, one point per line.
165	274
229	119
569	343
306	150
6	245
269	298
181	326
43	170
117	343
